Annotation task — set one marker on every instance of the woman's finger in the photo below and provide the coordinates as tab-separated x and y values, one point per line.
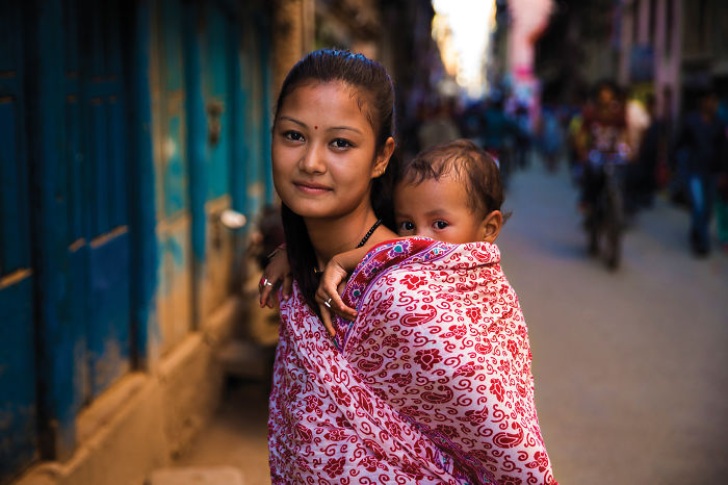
326	318
265	288
332	301
287	286
338	307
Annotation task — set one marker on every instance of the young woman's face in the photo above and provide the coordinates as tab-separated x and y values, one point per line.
437	209
324	151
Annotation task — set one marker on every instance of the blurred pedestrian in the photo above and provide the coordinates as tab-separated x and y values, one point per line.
637	175
438	125
700	141
721	203
551	137
604	125
576	141
498	133
522	149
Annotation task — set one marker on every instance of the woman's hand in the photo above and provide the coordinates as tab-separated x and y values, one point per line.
276	273
329	292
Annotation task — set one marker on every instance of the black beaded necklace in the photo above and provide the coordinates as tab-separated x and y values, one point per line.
363	241
369	233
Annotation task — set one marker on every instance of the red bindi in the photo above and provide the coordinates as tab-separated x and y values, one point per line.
315	127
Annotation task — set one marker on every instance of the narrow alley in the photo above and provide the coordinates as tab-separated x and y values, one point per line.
630	367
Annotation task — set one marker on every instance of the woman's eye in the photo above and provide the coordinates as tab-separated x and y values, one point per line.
341	143
292	135
440	225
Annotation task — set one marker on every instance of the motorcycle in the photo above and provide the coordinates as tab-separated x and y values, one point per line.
606	216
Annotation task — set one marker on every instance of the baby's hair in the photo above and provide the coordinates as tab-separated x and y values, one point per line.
468	163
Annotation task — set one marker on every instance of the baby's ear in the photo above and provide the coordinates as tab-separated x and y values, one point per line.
491	226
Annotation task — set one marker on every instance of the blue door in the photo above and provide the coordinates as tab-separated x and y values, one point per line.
257	183
172	168
18	412
98	188
64	238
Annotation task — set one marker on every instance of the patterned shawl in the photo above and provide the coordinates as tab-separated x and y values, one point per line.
431	384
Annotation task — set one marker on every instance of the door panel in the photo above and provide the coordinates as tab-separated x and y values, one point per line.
96	167
171	172
18	408
218	57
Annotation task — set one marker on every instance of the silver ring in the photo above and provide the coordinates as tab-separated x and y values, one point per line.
328	303
265	282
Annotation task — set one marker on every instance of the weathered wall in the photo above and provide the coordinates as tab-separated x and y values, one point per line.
146	420
293	35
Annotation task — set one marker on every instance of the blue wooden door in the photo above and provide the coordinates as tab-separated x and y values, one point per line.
96	167
18	411
172	167
102	221
219	56
257	184
210	65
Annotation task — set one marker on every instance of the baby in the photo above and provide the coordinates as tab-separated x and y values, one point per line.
450	192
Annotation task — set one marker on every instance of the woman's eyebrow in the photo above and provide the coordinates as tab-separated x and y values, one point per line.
292	120
333	128
345	128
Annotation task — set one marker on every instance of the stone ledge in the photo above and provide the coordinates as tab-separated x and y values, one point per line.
223	475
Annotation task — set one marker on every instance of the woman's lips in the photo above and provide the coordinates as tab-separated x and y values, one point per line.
310	188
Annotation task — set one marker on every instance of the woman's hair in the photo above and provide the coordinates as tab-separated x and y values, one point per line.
376	99
468	163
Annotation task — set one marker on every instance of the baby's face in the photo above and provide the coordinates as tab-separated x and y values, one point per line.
437	209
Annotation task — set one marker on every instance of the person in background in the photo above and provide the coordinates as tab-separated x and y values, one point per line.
576	142
338	408
651	156
603	127
498	133
522	147
701	141
438	125
637	174
551	137
721	201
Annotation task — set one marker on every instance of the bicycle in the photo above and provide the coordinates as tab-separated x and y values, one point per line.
605	220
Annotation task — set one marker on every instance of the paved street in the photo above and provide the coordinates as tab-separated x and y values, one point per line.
631	367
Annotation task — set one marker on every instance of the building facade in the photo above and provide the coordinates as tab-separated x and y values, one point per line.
674	49
128	128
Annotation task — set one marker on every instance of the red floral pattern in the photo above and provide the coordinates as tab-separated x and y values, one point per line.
431	384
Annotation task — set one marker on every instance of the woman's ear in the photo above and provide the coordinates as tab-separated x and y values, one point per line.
380	165
491	226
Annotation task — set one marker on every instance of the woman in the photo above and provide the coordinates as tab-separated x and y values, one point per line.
431	383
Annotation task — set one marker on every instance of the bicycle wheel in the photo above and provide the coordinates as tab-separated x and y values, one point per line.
612	246
592	228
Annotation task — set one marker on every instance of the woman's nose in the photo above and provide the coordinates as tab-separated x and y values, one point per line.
313	160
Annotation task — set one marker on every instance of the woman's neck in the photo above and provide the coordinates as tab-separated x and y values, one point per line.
333	236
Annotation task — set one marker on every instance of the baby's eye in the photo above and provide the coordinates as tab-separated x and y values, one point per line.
406	227
341	143
440	225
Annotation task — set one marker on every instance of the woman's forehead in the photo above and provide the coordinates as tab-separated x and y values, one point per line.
331	95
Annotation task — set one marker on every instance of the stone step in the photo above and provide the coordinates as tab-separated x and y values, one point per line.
246	359
222	475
